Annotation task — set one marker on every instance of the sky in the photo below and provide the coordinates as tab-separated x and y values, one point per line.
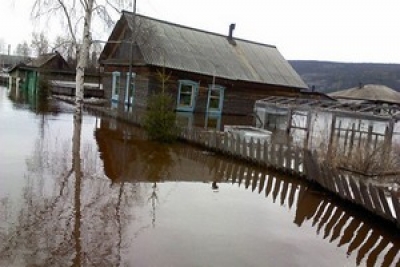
340	30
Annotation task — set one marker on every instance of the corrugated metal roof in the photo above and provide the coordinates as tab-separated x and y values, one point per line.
187	49
370	92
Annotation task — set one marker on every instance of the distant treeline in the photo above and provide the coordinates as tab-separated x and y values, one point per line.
333	76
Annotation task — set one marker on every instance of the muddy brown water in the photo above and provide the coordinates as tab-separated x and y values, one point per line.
95	192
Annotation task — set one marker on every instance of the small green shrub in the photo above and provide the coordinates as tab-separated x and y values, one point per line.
160	120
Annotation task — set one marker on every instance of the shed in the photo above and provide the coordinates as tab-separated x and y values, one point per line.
370	93
51	65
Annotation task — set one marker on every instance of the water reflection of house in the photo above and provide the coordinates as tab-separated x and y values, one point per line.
207	72
128	156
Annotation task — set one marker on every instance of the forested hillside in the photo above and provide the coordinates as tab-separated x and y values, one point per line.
333	76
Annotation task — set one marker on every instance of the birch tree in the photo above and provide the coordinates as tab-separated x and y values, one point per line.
77	17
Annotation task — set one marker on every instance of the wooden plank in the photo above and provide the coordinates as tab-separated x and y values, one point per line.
320	179
366	198
261	183
339	227
212	143
273	155
284	191
332	222
351	144
311	167
346	188
308	131
289	161
227	145
396	205
221	146
229	171
332	134
332	179
248	178
368	145
281	156
375	200
266	153
328	178
356	191
241	174
251	149
297	160
292	193
341	191
269	185
254	181
258	151
237	147
346	138
385	205
277	188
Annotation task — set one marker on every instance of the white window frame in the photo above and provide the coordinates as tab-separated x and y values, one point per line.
220	91
116	85
133	83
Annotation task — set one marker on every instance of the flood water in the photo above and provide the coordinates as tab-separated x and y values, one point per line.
95	192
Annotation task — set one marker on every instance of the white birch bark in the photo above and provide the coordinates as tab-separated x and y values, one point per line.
83	55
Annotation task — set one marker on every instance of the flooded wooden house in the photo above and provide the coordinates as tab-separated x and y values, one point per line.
51	66
205	72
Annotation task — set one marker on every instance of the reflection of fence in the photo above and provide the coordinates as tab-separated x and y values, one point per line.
288	158
371	197
336	223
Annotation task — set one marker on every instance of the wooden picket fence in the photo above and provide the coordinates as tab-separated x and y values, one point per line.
280	156
301	162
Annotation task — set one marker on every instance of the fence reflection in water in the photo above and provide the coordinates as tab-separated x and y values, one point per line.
333	220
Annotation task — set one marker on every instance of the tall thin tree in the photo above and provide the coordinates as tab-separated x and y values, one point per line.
78	17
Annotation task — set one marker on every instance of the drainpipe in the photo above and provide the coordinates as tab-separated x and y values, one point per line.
130	58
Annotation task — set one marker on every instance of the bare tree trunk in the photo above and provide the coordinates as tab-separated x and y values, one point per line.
83	56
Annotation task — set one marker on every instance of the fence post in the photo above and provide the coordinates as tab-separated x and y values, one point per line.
396	206
251	149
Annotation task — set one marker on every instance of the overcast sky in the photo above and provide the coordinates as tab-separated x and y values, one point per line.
340	30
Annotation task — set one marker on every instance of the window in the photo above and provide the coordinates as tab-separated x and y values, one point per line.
215	99
130	91
116	85
212	121
187	95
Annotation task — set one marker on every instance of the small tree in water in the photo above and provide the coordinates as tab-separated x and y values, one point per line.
160	120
